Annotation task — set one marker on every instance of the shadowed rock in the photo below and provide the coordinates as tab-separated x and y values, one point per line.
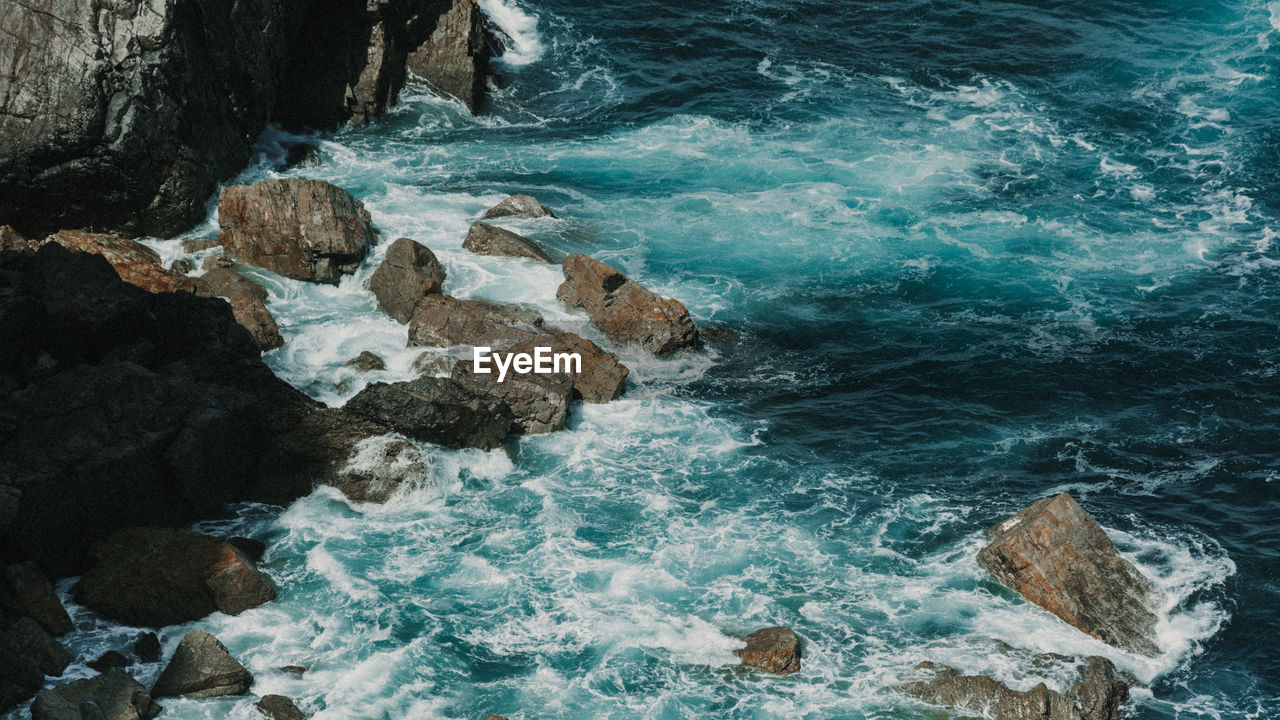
409	273
31	642
624	310
147	648
134	262
202	667
25	591
444	321
540	403
279	707
1056	556
107	660
112	695
775	649
486	239
521	206
248	303
454	59
367	362
437	410
19	679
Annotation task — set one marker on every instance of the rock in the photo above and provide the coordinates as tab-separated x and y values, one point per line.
160	576
252	314
182	266
30	641
367	362
775	649
540	403
494	717
437	410
224	283
299	228
109	659
202	667
1056	556
1098	696
112	695
147	646
200	245
25	591
381	466
249	547
279	707
409	273
485	239
444	321
454	59
298	670
12	241
624	310
434	364
602	379
219	260
521	206
134	262
19	679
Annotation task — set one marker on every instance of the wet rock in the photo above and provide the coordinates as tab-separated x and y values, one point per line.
252	314
721	338
602	378
202	667
112	695
409	273
494	717
1058	557
134	262
109	659
434	364
520	206
539	403
249	547
224	283
436	410
444	321
200	245
219	260
25	591
775	649
486	239
161	576
381	466
30	641
299	228
182	266
454	59
298	670
624	310
19	679
279	707
147	648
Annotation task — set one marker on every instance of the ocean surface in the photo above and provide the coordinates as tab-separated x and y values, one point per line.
975	253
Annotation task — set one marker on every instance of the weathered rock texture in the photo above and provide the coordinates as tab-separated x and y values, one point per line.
380	467
454	59
486	239
624	310
409	273
202	667
27	639
602	379
112	695
540	403
134	262
444	321
26	592
302	229
775	649
437	410
367	362
279	707
521	206
248	304
1059	558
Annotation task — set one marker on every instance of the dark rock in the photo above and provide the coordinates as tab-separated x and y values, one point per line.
134	262
437	410
162	576
219	260
249	547
182	266
247	299
294	669
486	239
1059	558
200	245
19	679
521	206
279	707
775	649
454	59
147	646
112	695
109	659
299	228
381	466
30	641
409	273
25	591
202	667
540	403
367	362
602	378
624	310
721	338
444	321
224	283
494	717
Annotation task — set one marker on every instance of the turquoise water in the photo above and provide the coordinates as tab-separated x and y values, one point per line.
977	253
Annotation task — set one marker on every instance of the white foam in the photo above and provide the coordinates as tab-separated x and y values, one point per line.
522	27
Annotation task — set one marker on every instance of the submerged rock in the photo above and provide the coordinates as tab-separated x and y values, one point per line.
30	641
367	362
379	467
624	310
444	321
147	648
520	206
112	695
202	667
109	659
775	649
279	707
1056	556
409	273
437	410
539	403
25	591
299	228
486	239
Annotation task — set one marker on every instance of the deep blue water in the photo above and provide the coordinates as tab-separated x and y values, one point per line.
977	253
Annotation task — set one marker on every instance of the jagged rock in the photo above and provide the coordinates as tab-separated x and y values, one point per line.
219	260
409	273
182	266
13	241
247	299
521	206
540	403
299	228
147	647
202	667
162	576
367	362
1098	696
298	670
624	310
19	679
109	659
249	547
379	467
454	59
486	239
112	695
1059	558
279	707
134	262
602	379
30	641
25	591
775	649
444	321
433	364
437	410
225	283
200	245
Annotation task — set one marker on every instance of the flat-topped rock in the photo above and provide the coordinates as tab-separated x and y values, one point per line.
624	310
776	649
437	410
519	206
444	321
409	273
113	695
201	667
1058	557
486	239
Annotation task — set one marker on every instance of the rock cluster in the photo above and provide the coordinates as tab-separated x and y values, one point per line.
112	695
30	618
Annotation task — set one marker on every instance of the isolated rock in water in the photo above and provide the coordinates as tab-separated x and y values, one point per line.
437	410
30	641
112	695
409	273
279	707
163	576
444	321
25	591
1059	558
486	239
367	362
624	310
202	667
1098	696
19	679
109	659
134	262
776	649
302	229
602	378
521	206
454	60
495	717
381	466
200	245
147	648
540	403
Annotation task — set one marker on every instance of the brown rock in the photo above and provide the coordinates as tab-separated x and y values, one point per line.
11	240
219	260
433	364
134	262
486	239
521	206
409	273
454	60
540	403
224	283
367	362
602	379
30	641
200	245
112	695
776	649
161	576
624	310
252	314
444	321
279	707
1056	556
201	667
182	266
25	591
299	228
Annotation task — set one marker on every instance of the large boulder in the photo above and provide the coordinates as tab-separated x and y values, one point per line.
26	592
409	273
30	641
539	402
279	707
444	321
776	649
248	304
624	310
299	228
519	206
437	410
134	262
454	59
602	377
1058	557
201	667
112	695
486	239
164	576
